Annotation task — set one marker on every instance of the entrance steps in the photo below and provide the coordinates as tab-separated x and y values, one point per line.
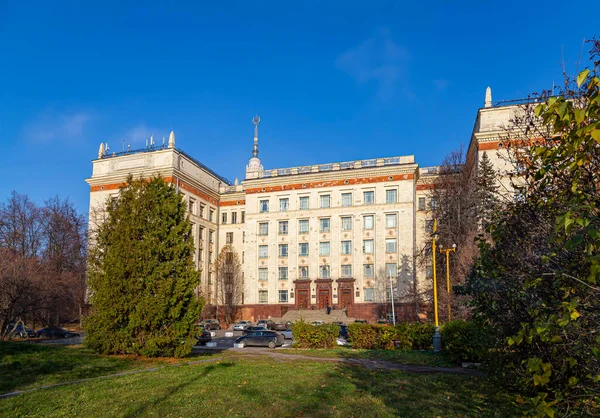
308	315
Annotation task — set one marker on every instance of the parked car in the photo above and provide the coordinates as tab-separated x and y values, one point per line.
55	332
383	322
203	336
318	322
267	323
361	321
241	325
266	338
20	331
287	334
282	326
253	328
210	324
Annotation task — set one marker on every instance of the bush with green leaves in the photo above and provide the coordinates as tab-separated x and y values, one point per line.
465	341
536	282
315	336
142	278
421	336
380	337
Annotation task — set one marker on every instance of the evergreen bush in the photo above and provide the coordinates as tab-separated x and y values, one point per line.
315	336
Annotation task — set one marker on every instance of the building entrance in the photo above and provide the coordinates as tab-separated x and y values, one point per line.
302	298
346	298
324	298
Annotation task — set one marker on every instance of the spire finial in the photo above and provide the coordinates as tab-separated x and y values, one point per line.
101	150
171	140
255	121
488	97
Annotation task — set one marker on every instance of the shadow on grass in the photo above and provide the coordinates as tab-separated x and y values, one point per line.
24	365
171	391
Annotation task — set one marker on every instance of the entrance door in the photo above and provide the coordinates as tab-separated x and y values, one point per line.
345	298
302	296
323	298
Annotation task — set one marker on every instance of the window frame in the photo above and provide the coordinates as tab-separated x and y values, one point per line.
263	205
322	198
263	247
346	247
369	193
322	245
346	194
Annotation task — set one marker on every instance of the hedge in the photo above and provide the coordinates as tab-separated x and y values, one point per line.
380	337
315	336
465	340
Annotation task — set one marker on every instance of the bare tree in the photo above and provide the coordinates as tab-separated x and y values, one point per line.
230	282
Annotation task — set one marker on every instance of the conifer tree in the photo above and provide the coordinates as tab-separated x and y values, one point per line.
486	192
142	277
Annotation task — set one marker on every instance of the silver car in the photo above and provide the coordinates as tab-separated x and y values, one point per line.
241	325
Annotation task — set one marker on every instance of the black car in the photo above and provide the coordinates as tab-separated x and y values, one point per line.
210	324
251	329
203	337
282	326
55	332
269	339
267	323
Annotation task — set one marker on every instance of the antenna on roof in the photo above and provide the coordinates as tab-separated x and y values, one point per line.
129	147
146	142
164	139
106	147
151	141
123	146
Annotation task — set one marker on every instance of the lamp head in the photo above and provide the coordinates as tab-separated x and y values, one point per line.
454	246
435	235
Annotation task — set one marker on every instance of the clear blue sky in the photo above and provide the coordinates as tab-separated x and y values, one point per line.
332	81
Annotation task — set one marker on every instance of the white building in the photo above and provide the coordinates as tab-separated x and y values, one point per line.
334	234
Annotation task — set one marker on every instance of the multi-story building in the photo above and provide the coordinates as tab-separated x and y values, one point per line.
342	234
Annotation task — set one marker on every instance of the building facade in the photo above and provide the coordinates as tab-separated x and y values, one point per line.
344	235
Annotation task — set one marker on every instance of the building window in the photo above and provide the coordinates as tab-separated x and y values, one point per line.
283	250
233	217
211	215
346	270
191	205
346	199
224	217
421	203
263	228
263	274
324	248
284	204
325	201
391	270
263	251
369	294
303	226
283	227
390	245
368	246
211	236
346	247
263	206
391	196
429	226
283	296
304	203
202	207
369	221
283	273
303	272
324	225
369	198
263	296
243	216
303	249
368	271
229	238
390	220
201	234
324	272
346	223
434	203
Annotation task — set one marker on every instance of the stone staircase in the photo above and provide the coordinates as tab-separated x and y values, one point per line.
336	315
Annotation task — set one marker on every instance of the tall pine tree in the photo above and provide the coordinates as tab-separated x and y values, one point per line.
142	276
486	191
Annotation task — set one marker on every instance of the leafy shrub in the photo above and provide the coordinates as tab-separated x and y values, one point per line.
379	336
465	340
315	336
422	336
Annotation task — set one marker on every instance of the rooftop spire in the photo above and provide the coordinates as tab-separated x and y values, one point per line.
101	150
488	97
172	140
255	121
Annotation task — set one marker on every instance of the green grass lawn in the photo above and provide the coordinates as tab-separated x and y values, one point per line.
416	358
238	386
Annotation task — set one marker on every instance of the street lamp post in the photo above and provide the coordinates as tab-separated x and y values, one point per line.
437	337
392	297
447	251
